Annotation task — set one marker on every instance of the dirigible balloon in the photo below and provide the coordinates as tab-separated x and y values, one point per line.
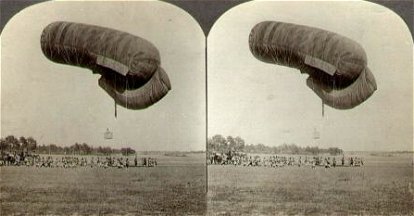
129	65
337	65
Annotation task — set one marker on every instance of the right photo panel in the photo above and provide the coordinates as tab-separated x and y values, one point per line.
310	110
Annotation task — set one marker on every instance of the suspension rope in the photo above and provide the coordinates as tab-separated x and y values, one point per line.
323	109
115	109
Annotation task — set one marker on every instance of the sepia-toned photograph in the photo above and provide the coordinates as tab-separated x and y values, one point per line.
194	107
103	110
310	110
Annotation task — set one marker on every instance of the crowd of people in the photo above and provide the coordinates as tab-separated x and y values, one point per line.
75	161
242	159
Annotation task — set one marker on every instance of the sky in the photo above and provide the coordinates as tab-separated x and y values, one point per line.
63	104
271	104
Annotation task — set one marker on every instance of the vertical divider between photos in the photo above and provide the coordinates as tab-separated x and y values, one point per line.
206	13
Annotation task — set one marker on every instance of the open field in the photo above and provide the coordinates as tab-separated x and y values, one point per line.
176	186
383	186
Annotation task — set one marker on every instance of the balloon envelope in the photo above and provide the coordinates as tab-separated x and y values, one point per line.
129	65
337	65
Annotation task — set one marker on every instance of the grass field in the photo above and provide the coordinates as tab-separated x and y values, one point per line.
380	187
177	186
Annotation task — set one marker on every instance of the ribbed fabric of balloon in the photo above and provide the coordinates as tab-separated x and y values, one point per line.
339	60
88	46
337	66
129	65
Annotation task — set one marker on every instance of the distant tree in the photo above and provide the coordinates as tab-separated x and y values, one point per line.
53	149
66	150
23	143
3	145
239	143
313	150
231	143
99	150
219	143
210	145
275	150
261	148
31	144
219	139
107	150
334	151
294	149
86	149
127	151
13	142
76	148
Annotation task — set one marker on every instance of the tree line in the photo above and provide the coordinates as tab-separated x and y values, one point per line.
219	143
29	145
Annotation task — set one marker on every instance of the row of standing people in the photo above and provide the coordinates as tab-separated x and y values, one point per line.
75	161
280	161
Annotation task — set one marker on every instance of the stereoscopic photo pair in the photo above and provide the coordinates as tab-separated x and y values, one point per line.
244	119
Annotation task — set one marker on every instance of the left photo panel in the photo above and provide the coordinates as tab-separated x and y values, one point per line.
103	110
